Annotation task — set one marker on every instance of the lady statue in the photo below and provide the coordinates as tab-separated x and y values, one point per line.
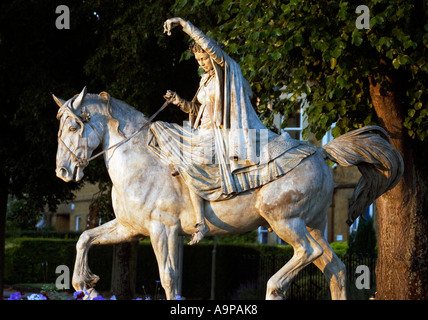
225	135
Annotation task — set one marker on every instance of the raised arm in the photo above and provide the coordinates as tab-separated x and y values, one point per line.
208	44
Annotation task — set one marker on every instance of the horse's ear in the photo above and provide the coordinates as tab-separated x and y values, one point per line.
79	98
58	101
105	96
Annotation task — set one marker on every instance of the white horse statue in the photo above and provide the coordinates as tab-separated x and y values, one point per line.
149	201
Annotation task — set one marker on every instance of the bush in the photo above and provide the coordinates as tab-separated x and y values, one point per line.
29	260
340	247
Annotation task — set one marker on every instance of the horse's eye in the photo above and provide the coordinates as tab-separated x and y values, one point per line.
73	128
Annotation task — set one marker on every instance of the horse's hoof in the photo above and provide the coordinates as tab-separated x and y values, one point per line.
90	294
81	284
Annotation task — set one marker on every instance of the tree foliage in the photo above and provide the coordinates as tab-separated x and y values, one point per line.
134	61
36	60
313	49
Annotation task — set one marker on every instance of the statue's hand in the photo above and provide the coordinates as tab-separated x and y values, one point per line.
172	97
171	24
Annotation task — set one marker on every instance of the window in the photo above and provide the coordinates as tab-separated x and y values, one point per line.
262	235
294	125
77	227
327	138
295	121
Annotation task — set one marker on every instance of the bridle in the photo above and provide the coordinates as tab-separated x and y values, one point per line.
85	119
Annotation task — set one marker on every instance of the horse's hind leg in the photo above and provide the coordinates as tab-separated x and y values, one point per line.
306	250
108	233
332	267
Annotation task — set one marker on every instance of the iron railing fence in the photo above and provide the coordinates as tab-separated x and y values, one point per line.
310	283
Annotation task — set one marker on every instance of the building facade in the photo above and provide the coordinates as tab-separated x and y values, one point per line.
73	215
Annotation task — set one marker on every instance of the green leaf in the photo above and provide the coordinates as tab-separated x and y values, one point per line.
276	55
333	62
341	82
336	132
324	119
357	39
403	59
341	110
255	35
396	63
329	106
288	45
336	52
298	40
418	105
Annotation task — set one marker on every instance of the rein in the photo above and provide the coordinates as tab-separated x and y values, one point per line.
84	162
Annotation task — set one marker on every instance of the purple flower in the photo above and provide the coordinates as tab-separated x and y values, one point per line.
98	298
78	295
15	296
36	296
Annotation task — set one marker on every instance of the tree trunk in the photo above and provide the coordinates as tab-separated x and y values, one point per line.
401	270
123	275
4	180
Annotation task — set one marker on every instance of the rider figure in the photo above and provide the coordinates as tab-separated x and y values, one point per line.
221	107
204	96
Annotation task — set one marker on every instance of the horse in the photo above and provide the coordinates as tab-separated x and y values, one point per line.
148	201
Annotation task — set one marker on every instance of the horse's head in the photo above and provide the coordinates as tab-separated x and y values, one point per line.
78	135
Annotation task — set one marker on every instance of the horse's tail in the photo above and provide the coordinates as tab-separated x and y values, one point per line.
380	164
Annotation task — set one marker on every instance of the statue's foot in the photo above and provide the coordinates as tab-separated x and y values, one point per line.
201	230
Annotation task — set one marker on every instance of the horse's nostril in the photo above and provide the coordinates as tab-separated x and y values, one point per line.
62	173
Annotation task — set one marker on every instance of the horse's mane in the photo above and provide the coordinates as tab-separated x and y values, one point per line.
126	119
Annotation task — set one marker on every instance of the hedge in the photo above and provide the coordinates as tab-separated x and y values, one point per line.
235	264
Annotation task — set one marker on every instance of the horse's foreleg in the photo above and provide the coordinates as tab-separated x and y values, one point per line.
165	245
108	233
